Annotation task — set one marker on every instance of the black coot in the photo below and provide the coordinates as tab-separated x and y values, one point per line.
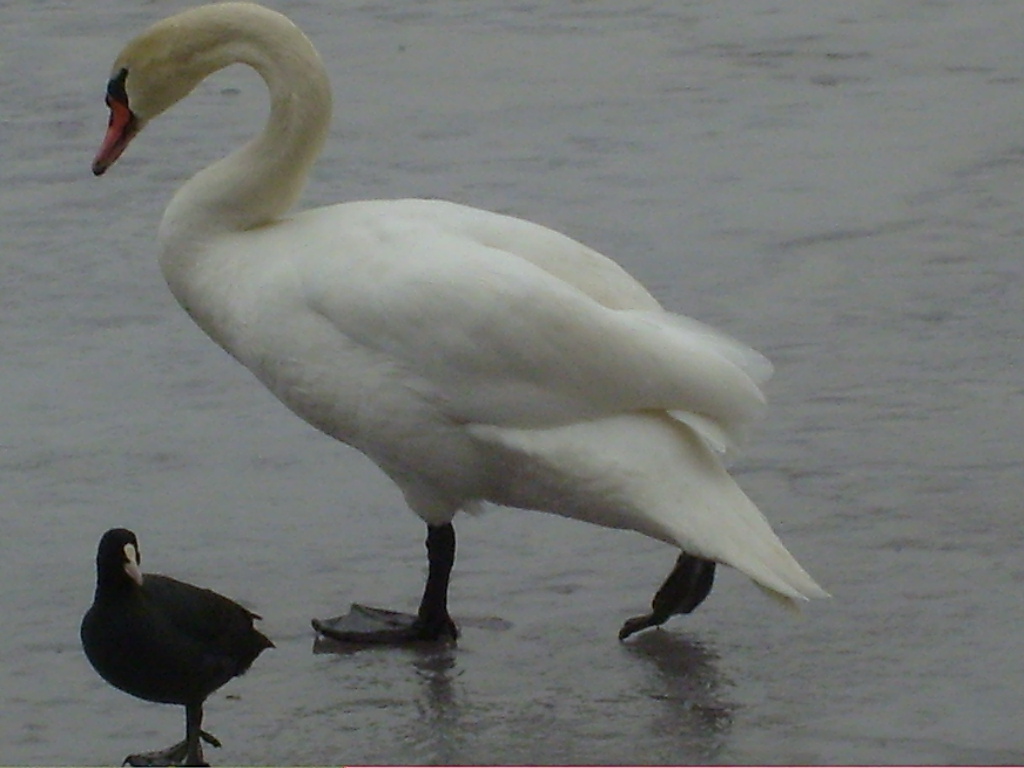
163	640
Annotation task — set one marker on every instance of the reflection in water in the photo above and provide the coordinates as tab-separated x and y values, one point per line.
686	678
437	734
111	402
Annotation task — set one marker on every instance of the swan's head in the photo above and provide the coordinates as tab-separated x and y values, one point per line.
163	64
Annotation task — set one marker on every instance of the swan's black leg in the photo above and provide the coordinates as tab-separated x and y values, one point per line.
683	590
432	619
375	626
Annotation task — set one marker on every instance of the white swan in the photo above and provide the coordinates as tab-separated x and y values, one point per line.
474	357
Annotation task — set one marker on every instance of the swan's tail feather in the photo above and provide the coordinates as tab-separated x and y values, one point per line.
651	474
709	515
791	593
791	604
759	554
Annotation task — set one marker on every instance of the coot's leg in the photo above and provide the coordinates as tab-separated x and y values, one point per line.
179	754
375	626
193	731
683	590
173	755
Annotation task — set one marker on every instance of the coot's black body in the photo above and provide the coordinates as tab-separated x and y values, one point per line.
163	640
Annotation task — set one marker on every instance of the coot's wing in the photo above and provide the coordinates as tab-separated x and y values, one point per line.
215	628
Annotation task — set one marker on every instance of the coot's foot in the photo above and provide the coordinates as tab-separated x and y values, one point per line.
364	625
684	589
176	754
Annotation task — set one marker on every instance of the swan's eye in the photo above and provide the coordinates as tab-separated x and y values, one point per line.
115	88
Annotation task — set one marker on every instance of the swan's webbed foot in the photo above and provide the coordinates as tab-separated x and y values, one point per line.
684	589
364	625
176	754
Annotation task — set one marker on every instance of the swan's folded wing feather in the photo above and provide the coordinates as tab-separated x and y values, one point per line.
754	364
494	339
566	259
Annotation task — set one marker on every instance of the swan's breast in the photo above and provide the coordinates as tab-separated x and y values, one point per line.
254	293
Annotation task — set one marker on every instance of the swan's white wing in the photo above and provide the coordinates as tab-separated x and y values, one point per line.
492	338
585	269
594	274
754	364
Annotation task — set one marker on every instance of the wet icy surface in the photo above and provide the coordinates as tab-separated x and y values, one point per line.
837	183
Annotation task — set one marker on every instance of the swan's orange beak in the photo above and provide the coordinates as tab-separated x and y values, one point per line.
120	131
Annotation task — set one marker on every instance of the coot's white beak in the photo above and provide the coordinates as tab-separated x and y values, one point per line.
131	564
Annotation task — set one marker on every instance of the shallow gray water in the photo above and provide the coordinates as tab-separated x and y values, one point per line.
837	183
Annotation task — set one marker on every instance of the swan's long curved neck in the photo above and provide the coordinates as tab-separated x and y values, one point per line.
262	180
